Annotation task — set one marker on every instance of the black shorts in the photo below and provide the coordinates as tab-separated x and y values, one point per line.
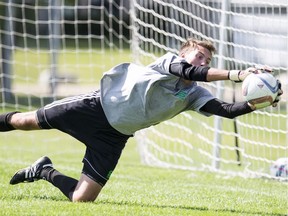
83	118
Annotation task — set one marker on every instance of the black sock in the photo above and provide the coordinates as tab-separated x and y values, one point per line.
64	183
4	121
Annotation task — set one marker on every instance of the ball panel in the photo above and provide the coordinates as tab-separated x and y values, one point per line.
261	85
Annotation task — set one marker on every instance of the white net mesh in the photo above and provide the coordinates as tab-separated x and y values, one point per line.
52	49
246	33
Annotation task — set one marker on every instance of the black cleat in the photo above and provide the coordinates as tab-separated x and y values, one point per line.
31	173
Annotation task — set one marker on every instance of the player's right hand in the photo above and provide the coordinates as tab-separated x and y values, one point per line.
239	76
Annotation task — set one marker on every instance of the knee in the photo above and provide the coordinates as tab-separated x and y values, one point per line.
83	197
86	190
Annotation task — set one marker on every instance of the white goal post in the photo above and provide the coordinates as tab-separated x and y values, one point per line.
51	49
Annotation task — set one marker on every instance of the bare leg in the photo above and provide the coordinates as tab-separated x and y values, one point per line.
86	190
24	121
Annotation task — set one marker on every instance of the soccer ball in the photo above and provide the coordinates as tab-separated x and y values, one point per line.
262	85
279	168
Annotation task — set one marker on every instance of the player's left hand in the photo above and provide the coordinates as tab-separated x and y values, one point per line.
266	101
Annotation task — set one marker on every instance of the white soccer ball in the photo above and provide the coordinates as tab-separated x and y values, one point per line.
260	85
279	168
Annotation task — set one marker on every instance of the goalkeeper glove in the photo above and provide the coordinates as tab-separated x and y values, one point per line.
239	76
266	101
280	92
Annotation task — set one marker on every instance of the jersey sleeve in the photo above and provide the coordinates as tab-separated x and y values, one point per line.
198	98
227	110
188	71
162	64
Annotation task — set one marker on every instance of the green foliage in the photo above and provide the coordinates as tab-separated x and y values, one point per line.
134	189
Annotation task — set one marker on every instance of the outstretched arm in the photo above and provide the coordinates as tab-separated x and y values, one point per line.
207	74
227	110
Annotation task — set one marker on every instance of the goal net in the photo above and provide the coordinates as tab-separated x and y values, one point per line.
246	33
53	49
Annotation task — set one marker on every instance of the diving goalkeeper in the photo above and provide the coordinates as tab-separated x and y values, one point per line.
130	98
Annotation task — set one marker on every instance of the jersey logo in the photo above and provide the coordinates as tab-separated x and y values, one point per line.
182	94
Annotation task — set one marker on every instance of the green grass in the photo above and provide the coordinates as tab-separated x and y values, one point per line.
134	189
85	65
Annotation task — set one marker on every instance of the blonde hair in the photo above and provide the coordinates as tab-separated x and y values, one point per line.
191	44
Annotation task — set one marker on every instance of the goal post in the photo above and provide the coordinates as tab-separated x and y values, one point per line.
53	49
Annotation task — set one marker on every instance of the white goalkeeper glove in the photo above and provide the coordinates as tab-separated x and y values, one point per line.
266	101
239	76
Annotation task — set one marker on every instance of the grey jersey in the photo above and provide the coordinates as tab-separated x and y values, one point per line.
135	97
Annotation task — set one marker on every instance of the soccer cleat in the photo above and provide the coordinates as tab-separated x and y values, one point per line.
31	173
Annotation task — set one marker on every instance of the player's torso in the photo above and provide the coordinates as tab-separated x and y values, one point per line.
135	97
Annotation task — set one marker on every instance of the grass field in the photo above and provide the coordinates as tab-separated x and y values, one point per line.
84	65
134	189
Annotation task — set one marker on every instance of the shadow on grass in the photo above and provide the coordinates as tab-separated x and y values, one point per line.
195	208
147	205
21	197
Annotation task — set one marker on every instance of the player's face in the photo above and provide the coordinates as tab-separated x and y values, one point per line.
199	57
